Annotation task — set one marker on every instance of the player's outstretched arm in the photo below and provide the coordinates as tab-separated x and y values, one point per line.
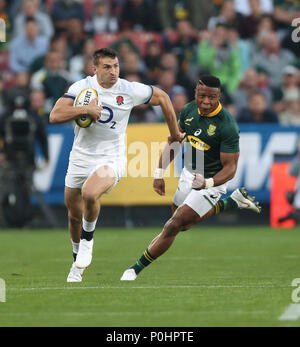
169	152
160	98
63	111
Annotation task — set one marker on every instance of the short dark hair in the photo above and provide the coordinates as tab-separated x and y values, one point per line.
209	81
103	53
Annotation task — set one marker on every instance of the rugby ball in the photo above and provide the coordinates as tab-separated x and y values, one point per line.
83	99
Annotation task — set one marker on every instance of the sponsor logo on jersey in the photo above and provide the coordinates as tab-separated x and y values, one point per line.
120	100
211	130
198	144
188	120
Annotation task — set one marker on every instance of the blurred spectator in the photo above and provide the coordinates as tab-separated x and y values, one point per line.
140	15
102	21
7	76
75	37
152	59
88	67
291	113
143	113
63	11
185	45
169	61
57	44
196	12
167	82
248	86
257	111
37	105
133	64
21	88
220	57
179	101
30	9
19	151
124	46
53	79
227	15
25	48
2	101
243	46
77	63
273	58
15	6
265	26
244	6
290	83
248	24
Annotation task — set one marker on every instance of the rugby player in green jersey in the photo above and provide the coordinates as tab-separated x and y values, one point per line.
213	132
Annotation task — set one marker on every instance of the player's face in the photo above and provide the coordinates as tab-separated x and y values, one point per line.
107	71
207	98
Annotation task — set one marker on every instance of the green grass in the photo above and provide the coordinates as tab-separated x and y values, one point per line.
209	277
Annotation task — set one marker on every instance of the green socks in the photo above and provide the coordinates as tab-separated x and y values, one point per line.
145	260
225	204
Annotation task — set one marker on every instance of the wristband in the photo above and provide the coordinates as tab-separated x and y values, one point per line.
209	183
159	173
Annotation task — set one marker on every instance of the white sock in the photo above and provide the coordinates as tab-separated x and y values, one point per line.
75	247
88	226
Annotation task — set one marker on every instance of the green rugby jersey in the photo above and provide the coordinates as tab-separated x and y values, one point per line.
212	134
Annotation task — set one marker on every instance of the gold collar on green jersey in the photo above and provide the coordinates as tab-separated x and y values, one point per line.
213	113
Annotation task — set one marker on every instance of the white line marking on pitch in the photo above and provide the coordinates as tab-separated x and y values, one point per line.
151	287
292	312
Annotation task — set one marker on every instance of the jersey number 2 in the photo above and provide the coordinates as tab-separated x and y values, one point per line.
111	115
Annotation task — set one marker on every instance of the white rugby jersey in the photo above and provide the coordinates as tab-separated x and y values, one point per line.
106	137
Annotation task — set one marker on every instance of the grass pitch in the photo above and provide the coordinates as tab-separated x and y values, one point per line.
209	277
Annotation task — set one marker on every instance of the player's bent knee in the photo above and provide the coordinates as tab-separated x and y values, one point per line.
89	197
172	227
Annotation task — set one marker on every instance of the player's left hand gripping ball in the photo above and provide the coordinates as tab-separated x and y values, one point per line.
83	99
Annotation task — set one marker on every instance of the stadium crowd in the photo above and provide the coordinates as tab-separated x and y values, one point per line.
251	45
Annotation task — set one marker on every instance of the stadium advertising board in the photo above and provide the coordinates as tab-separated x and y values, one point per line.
258	146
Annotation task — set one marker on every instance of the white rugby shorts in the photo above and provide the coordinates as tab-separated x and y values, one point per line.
77	173
201	201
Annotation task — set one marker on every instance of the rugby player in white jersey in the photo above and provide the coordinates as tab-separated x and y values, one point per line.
97	160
